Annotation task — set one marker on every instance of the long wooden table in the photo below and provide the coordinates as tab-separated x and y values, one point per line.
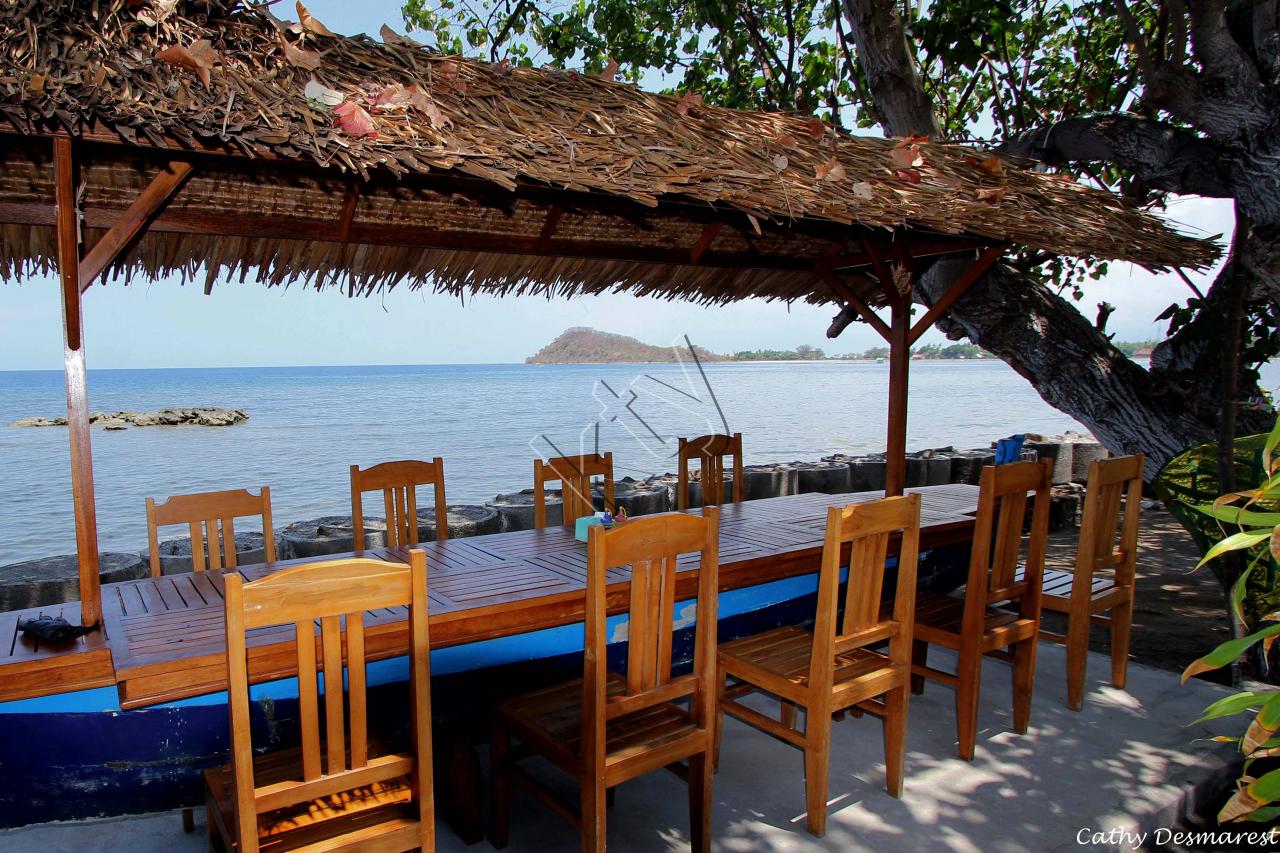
165	635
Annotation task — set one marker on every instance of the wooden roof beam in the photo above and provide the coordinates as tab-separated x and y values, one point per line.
554	215
705	240
133	221
844	292
957	289
234	224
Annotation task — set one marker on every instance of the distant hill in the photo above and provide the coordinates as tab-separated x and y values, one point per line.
583	345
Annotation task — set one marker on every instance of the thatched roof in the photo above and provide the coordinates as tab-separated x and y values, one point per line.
397	164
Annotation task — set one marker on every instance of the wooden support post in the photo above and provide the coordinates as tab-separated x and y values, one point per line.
895	473
67	229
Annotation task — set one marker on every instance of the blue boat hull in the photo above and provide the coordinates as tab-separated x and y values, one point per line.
78	755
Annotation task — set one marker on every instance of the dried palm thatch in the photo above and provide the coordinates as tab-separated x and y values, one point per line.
477	177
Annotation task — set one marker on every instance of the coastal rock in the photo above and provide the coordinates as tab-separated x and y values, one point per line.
330	534
671	482
175	554
516	509
928	468
1053	447
768	481
463	520
967	465
199	416
637	497
831	477
53	580
1083	454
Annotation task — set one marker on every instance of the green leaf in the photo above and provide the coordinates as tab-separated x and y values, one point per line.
1227	652
1233	704
1242	517
1234	542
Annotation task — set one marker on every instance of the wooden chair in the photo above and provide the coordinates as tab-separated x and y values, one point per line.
999	614
1107	541
710	451
574	474
210	517
324	793
605	728
831	668
398	482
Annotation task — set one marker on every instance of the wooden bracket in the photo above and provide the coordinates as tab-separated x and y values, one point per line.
548	228
132	222
705	240
348	211
843	291
958	288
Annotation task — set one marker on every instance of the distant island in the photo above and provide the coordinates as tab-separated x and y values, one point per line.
584	345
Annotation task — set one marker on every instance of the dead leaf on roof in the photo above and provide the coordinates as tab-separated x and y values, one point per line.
157	11
609	70
815	127
993	166
688	101
198	57
312	24
832	170
862	190
780	162
298	57
907	157
390	36
321	96
353	119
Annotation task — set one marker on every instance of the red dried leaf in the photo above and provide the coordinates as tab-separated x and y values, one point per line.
297	57
609	70
815	127
503	68
397	96
911	176
912	139
993	166
907	157
688	101
352	118
991	195
832	170
311	24
198	57
450	78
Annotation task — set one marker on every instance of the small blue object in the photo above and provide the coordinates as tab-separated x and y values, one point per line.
1009	449
583	525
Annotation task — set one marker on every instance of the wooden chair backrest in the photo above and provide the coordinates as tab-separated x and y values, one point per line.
870	528
337	593
650	546
1003	493
710	451
210	517
398	482
1109	527
574	474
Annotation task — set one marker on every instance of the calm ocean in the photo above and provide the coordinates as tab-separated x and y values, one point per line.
309	424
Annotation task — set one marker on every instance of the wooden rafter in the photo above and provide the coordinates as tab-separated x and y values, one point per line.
549	226
132	222
957	289
705	240
844	292
349	202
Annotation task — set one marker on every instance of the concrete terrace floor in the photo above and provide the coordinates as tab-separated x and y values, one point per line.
1125	761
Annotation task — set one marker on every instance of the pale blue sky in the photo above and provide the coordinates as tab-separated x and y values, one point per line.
163	324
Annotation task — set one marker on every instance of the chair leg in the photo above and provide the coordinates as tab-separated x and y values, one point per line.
919	657
718	734
1121	623
817	757
593	815
787	716
700	779
968	691
1077	657
1024	676
188	820
895	739
500	784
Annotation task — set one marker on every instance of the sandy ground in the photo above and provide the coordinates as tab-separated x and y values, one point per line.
1179	615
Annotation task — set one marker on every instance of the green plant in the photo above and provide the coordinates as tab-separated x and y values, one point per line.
1251	520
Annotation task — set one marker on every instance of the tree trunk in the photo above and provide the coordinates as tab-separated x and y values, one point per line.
1039	334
